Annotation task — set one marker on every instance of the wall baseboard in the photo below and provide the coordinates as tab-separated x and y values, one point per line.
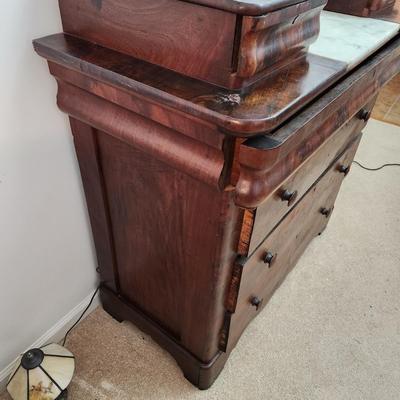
55	334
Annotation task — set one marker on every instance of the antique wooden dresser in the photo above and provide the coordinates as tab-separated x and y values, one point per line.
213	137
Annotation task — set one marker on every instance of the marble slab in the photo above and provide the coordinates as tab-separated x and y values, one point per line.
351	39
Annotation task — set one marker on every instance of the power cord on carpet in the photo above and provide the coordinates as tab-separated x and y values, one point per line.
82	315
376	169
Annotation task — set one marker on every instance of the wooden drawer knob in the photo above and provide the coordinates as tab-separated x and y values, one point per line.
364	114
269	258
256	302
289	196
343	169
326	212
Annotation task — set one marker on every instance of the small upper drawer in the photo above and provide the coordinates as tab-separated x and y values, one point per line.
213	41
259	222
363	8
255	279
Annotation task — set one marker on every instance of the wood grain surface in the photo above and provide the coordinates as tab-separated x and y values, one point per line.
248	7
364	8
262	109
254	278
180	173
277	37
196	41
201	42
273	209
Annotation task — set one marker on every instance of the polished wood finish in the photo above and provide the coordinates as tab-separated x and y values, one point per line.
276	38
364	8
209	43
201	198
306	170
87	150
260	110
200	374
391	14
174	34
247	7
264	108
258	277
309	130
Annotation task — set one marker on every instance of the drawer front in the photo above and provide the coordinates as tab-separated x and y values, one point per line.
259	223
256	278
271	38
360	7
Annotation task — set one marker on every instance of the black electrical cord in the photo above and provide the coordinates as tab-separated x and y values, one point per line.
376	169
82	315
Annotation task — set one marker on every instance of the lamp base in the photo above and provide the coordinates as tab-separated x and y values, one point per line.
63	395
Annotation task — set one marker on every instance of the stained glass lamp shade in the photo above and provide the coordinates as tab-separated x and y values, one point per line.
42	374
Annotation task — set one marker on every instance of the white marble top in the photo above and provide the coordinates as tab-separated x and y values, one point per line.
351	39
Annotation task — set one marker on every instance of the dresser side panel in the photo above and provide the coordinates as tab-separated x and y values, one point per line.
169	232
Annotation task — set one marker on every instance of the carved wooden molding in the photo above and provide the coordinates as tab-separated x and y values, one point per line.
196	159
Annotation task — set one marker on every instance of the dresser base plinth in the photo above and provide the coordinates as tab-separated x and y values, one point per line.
200	374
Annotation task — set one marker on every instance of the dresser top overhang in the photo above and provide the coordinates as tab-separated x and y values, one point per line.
255	111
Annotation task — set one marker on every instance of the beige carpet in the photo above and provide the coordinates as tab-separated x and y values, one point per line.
332	331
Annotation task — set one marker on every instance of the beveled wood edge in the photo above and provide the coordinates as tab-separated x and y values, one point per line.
199	373
332	100
328	113
251	190
229	125
47	47
250	7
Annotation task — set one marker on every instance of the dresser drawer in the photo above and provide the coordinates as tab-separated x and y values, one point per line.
225	43
258	223
363	8
255	279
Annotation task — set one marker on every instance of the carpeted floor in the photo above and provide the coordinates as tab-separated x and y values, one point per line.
332	331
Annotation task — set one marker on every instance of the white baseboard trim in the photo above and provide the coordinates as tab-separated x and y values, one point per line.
54	334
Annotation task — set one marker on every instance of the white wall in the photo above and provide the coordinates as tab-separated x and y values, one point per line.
47	261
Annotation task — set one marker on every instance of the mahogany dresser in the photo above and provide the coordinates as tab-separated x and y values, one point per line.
213	137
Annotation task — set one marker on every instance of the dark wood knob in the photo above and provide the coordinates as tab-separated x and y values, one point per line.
256	302
326	212
364	114
269	258
289	196
343	169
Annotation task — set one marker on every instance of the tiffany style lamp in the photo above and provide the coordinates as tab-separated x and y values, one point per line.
42	374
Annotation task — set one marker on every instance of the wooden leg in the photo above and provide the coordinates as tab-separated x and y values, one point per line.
195	371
